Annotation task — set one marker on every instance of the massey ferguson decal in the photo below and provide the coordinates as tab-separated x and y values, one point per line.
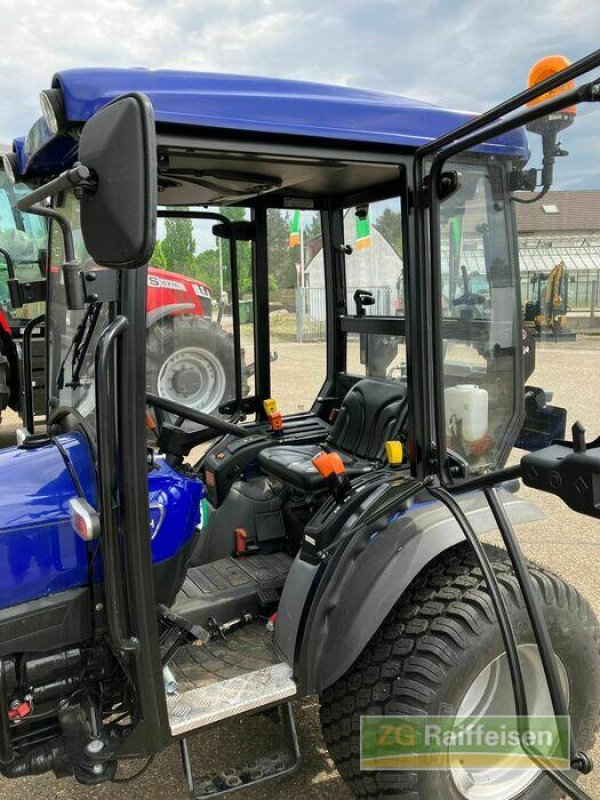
165	283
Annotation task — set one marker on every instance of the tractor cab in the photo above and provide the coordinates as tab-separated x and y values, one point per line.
239	485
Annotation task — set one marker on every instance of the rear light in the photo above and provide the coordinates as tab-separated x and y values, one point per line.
84	519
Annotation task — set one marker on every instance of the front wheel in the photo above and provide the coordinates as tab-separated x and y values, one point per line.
440	652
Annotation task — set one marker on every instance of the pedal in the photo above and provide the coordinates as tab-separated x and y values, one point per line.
267	597
177	632
195	633
276	765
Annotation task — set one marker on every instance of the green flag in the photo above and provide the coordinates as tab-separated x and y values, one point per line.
363	232
295	230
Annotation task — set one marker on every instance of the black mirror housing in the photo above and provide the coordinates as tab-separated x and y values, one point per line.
118	213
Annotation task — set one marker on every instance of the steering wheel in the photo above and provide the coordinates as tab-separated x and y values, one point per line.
216	424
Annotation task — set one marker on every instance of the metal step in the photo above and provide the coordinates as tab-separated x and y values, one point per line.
278	764
206	705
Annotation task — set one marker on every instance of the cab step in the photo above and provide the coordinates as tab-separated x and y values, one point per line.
277	765
214	702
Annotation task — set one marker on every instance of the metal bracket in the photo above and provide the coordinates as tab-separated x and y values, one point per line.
277	765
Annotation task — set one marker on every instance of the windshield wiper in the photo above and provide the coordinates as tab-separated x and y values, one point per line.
79	347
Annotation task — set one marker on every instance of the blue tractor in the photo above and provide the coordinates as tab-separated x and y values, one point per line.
163	569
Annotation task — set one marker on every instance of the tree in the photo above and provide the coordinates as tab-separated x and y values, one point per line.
158	258
389	225
179	246
206	269
243	252
282	258
312	225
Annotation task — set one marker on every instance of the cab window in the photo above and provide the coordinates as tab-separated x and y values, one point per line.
297	307
374	271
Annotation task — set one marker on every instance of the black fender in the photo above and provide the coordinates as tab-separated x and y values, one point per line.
346	601
152	317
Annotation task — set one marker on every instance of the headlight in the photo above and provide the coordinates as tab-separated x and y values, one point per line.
10	164
53	110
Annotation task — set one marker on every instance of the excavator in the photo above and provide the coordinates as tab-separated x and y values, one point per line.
546	315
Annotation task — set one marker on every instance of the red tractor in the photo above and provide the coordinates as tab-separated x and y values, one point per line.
190	356
8	365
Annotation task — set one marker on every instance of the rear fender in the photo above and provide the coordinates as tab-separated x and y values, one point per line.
358	588
172	310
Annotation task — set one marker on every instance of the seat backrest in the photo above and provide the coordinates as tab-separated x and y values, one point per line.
373	412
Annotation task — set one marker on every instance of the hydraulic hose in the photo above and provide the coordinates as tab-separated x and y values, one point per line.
579	761
49	757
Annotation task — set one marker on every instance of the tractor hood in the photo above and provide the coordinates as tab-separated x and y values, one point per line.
39	551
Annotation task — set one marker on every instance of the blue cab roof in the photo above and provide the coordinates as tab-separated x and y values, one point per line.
266	106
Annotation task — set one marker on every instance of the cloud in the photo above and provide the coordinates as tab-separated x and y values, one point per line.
457	53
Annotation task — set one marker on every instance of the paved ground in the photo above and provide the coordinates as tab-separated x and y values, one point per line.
563	542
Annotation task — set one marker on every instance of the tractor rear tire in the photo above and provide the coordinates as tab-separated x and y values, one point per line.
4	384
429	652
190	361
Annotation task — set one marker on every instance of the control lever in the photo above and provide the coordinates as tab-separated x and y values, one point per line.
178	631
220	631
570	470
363	298
331	467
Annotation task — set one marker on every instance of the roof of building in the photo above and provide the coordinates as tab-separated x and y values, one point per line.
560	211
266	106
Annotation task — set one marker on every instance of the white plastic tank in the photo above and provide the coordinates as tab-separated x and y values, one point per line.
468	403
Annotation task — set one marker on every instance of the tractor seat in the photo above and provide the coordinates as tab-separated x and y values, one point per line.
372	413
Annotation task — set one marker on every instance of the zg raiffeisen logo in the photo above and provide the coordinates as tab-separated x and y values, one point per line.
428	743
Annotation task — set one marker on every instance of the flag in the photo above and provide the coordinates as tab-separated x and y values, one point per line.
456	237
295	230
363	232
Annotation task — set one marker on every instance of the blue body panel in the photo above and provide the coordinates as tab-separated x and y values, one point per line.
256	105
175	510
40	553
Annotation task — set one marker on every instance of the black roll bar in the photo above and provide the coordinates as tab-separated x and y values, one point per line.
28	371
576	69
108	485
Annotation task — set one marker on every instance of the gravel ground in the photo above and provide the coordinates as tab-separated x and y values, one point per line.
563	542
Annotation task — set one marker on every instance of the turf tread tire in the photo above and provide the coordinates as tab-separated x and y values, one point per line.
428	634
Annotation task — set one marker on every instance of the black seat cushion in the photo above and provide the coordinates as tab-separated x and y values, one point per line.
293	464
372	413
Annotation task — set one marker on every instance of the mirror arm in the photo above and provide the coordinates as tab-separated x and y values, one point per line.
76	176
50	213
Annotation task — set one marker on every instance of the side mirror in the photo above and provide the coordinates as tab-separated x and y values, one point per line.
118	213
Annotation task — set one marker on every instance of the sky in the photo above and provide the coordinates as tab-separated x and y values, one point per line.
465	54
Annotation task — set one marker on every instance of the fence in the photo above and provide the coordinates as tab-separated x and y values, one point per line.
584	297
311	311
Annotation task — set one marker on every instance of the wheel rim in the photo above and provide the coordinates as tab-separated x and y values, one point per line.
193	377
491	694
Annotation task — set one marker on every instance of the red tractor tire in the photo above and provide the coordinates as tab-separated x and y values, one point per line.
190	361
4	383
